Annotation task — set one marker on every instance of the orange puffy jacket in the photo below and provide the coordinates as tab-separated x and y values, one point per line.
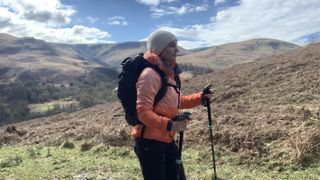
156	118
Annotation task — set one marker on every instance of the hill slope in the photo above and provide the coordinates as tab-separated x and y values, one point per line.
223	56
263	110
40	59
107	54
269	108
61	62
34	72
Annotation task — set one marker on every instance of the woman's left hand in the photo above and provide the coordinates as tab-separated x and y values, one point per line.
209	94
206	96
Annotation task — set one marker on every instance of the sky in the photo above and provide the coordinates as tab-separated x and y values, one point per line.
196	23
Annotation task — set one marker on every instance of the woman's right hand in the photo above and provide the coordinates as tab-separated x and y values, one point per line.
179	126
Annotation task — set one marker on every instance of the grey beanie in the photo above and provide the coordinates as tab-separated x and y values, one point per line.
158	40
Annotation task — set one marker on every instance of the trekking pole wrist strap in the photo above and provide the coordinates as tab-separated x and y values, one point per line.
169	125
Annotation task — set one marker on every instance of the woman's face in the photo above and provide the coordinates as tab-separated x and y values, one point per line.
169	53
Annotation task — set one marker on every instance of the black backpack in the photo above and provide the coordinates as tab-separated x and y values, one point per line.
127	92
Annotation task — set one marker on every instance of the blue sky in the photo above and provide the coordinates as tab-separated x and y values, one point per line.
197	23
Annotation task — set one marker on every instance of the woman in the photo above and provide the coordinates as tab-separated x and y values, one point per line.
154	139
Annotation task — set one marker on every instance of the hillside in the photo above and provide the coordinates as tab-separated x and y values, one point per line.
107	54
34	72
61	63
226	55
40	60
266	110
68	60
104	54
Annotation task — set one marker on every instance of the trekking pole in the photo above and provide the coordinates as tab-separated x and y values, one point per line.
181	116
179	161
206	90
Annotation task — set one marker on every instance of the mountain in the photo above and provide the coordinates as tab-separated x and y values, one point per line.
226	55
63	62
39	60
107	54
36	76
265	110
104	54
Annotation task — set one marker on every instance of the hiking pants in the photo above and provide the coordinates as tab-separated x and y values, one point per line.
158	160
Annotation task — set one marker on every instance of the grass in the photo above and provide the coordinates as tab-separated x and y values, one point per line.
45	107
102	162
64	163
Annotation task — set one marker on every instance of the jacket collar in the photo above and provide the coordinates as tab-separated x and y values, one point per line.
154	59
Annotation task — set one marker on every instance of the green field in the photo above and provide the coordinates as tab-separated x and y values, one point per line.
85	161
45	107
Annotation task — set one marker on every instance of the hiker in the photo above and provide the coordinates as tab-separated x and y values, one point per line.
154	138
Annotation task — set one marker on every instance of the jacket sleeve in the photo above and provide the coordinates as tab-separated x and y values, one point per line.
148	85
190	101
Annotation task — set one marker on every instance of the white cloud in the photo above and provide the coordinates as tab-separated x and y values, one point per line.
149	2
46	19
192	44
154	2
93	19
219	2
117	20
52	12
169	1
5	17
222	15
283	20
76	34
157	12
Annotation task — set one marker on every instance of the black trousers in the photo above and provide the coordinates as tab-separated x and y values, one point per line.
158	160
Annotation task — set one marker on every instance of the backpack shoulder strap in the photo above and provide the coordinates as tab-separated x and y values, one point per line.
177	72
163	89
164	84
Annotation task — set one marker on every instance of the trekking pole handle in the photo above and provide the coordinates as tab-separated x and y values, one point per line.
206	89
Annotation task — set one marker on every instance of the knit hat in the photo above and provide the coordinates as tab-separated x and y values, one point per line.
158	40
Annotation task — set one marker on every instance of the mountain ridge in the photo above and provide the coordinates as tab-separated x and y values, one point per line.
34	55
227	55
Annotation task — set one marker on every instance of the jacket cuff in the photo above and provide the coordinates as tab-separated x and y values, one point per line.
169	125
203	100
